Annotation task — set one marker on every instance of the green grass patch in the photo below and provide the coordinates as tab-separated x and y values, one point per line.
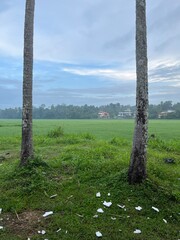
70	169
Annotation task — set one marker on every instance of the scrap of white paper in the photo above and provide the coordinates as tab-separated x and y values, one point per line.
121	206
107	204
100	210
42	232
98	234
53	196
137	231
47	213
155	209
98	194
138	208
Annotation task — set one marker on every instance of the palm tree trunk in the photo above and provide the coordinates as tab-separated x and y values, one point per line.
137	170
27	141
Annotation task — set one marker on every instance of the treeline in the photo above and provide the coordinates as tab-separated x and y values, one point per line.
91	112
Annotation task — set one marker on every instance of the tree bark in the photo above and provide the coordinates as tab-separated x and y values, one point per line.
27	140
137	169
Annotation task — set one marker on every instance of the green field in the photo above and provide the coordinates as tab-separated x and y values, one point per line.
76	161
102	129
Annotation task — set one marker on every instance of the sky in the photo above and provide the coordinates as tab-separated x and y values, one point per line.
84	52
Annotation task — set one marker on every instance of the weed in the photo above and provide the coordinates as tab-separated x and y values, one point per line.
57	132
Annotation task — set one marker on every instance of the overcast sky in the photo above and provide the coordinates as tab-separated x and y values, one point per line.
84	51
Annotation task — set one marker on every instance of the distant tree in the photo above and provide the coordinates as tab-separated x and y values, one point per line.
137	168
27	141
166	105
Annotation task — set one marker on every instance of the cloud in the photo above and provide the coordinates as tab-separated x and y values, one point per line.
112	74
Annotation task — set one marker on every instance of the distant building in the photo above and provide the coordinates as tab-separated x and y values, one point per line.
126	114
102	114
165	113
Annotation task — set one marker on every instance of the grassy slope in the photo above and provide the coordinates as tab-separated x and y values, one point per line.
78	167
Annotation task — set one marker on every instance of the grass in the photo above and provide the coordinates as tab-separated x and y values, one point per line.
102	129
75	162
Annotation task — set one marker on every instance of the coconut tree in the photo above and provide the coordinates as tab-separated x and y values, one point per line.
137	169
27	141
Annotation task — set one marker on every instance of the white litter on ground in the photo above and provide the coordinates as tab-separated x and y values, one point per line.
165	220
47	213
53	196
42	232
121	206
1	227
100	210
107	204
109	194
98	194
138	208
58	230
155	209
137	231
113	218
0	210
95	216
98	234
